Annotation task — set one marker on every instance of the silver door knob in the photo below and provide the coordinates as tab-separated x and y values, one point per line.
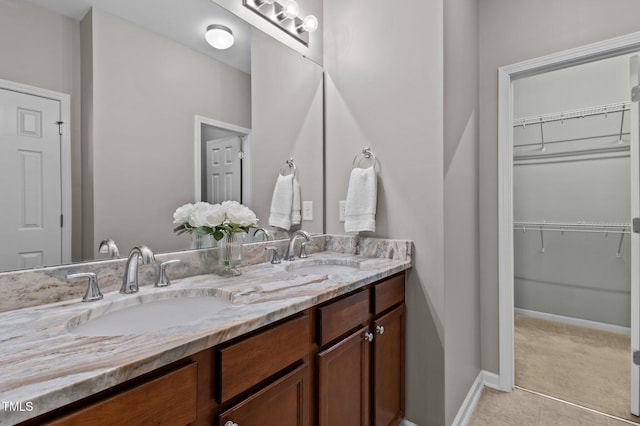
368	336
230	423
380	329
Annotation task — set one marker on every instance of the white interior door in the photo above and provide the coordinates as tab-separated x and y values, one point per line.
30	181
224	170
635	236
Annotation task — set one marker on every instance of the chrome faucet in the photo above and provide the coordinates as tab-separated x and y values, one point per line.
130	280
109	246
291	255
267	234
93	291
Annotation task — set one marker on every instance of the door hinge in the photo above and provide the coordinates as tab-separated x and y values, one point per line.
241	155
60	123
635	93
635	224
636	357
61	221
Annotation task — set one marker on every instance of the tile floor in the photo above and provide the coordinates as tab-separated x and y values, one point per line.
523	408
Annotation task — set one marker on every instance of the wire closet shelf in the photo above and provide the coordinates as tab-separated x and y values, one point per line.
621	229
592	227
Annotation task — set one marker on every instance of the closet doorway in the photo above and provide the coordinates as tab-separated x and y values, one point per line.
563	231
571	221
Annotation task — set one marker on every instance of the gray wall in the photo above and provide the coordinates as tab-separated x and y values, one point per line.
462	281
146	92
414	101
286	104
40	48
384	89
512	31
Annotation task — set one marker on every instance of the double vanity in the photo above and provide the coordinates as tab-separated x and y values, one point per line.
312	340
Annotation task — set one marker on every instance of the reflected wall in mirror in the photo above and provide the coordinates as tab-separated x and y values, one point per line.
134	98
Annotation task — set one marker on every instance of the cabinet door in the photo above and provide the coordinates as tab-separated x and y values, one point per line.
388	362
166	400
284	402
343	382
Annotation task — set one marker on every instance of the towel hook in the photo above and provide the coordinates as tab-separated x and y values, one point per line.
367	154
289	165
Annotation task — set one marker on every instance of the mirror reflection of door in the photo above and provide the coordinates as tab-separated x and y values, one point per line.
222	162
223	170
30	176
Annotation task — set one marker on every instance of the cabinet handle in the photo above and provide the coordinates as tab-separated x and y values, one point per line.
380	329
230	423
368	336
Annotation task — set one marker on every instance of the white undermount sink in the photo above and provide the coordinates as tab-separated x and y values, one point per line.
322	267
148	316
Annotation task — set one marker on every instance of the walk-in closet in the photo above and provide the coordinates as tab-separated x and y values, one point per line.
571	221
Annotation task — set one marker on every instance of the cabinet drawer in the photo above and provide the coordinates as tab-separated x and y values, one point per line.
339	317
248	362
284	402
388	293
168	400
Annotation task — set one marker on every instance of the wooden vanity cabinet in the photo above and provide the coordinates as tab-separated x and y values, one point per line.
284	402
340	363
343	381
169	399
360	377
388	367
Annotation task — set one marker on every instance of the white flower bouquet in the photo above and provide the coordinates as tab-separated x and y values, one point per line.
217	220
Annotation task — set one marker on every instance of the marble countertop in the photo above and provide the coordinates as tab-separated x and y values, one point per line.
43	365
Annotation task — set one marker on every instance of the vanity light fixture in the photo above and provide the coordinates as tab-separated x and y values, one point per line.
219	36
290	10
309	24
284	14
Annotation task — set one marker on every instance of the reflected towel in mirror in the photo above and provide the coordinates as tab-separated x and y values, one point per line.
285	204
296	207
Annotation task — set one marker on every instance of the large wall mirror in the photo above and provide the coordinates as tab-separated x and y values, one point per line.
145	91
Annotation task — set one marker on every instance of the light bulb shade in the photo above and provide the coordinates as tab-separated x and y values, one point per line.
219	36
310	23
290	9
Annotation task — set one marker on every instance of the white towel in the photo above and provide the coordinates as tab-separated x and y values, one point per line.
360	210
296	207
282	202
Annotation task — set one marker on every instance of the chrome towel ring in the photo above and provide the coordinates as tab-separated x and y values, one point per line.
366	154
289	168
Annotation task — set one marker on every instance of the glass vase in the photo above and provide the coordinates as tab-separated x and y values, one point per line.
230	253
202	241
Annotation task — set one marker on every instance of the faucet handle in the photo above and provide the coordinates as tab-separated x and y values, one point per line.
272	255
163	278
303	249
93	291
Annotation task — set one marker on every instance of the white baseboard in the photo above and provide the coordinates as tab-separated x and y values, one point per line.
469	404
465	412
574	321
491	380
463	417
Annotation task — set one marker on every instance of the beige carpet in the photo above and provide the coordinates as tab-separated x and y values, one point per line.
577	364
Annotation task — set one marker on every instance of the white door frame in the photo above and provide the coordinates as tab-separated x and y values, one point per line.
65	154
246	149
608	48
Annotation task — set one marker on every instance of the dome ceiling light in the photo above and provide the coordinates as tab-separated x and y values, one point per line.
219	36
